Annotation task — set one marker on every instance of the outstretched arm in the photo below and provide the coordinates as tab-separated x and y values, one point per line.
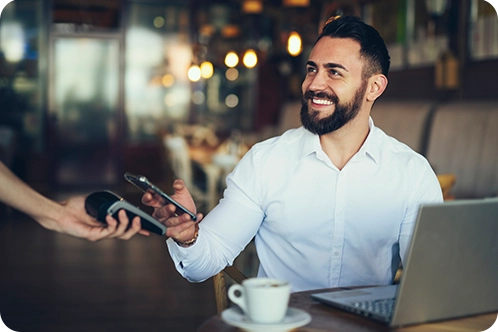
67	217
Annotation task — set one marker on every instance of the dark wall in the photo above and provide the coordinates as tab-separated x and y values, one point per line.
478	81
481	80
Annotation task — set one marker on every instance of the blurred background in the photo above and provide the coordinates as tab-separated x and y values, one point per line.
91	89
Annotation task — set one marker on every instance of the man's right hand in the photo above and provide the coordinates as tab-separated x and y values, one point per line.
180	227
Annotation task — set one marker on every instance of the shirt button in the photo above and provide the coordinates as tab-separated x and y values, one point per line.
336	253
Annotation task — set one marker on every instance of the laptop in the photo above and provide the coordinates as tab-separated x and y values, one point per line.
451	269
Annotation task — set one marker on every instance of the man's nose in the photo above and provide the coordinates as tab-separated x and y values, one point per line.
318	82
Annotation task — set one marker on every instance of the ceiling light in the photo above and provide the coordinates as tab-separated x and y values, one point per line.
232	74
230	31
207	69
231	59
296	3
252	6
294	44
250	59
194	73
168	80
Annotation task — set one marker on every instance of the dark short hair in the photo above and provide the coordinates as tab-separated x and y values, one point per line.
372	46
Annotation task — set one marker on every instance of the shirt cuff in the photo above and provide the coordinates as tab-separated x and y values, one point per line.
180	254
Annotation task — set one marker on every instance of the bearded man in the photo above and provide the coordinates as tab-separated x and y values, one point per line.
330	204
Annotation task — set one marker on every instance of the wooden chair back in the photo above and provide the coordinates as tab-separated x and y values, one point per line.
447	182
220	286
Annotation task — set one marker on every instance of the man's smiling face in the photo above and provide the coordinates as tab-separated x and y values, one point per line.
334	88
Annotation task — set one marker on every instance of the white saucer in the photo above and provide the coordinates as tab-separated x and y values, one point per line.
294	318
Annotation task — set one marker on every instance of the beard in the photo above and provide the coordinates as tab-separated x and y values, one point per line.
342	114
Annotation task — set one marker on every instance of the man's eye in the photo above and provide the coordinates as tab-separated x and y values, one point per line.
334	73
310	70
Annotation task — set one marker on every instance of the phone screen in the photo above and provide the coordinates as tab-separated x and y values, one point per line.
142	183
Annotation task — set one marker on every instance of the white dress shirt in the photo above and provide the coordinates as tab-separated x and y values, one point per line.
314	225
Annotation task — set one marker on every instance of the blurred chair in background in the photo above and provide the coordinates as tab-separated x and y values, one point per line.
203	191
228	154
406	120
463	141
198	135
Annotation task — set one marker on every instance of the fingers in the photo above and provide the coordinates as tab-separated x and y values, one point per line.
175	220
144	232
179	227
182	232
120	229
165	212
182	228
148	199
152	200
112	224
178	185
97	233
134	229
78	223
123	222
181	191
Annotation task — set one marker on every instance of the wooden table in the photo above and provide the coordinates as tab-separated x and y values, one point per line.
325	318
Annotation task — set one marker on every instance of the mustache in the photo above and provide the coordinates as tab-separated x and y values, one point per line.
322	95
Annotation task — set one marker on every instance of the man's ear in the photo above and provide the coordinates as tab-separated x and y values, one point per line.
376	86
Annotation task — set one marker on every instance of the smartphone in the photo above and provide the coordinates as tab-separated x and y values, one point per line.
100	204
142	183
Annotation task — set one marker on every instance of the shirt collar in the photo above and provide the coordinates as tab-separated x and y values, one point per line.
311	143
371	146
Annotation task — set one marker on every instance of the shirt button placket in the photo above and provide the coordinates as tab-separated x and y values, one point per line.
338	228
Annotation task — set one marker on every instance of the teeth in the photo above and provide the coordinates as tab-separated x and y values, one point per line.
322	102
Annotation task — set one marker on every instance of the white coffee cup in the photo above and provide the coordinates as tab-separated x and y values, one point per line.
263	300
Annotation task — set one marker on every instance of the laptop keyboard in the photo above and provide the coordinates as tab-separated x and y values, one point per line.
381	306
